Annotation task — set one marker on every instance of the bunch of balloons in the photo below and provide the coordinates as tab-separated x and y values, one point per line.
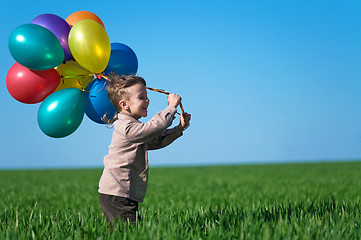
61	63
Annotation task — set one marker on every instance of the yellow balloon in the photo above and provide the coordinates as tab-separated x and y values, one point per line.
90	45
73	76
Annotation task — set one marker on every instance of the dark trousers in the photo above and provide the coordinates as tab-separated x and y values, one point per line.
122	208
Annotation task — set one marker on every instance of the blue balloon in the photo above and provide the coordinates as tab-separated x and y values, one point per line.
122	60
97	102
120	46
61	113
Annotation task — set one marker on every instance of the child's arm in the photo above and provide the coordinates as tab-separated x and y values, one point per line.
144	132
169	135
185	119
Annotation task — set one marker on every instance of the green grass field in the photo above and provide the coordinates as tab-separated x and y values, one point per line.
281	201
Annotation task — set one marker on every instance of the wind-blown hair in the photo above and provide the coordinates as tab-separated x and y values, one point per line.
117	89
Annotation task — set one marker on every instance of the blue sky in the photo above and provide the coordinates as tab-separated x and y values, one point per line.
265	81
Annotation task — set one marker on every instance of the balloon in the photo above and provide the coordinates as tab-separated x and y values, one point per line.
81	15
31	86
120	46
59	27
61	113
35	47
122	60
97	102
89	43
73	76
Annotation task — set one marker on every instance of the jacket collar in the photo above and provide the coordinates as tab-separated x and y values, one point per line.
126	116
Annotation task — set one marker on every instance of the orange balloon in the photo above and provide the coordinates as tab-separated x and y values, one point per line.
81	15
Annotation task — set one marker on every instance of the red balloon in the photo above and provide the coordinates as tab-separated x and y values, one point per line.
31	86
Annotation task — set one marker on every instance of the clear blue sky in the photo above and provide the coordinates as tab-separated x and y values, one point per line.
265	81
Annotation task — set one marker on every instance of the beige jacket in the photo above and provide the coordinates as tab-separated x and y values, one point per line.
125	171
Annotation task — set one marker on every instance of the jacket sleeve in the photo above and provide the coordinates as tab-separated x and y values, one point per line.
164	139
138	132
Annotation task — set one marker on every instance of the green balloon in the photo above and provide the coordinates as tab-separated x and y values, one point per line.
61	113
35	47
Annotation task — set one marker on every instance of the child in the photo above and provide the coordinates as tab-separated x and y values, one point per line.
125	176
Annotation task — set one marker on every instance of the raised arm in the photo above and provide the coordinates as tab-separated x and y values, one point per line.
144	132
169	135
165	138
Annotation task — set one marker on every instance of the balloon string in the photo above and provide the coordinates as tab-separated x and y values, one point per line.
104	84
86	82
164	92
152	89
80	83
84	75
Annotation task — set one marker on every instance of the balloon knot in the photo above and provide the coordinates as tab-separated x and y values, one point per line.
99	76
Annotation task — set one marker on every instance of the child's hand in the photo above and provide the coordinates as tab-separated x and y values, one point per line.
185	119
174	100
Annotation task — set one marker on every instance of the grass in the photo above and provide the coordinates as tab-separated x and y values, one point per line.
281	201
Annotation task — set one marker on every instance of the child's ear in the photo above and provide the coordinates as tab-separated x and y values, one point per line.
123	105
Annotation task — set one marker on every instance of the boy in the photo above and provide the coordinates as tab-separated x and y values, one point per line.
125	176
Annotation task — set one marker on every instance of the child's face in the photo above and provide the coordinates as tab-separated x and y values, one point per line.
138	102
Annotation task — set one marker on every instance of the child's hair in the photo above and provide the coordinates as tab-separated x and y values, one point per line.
117	89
